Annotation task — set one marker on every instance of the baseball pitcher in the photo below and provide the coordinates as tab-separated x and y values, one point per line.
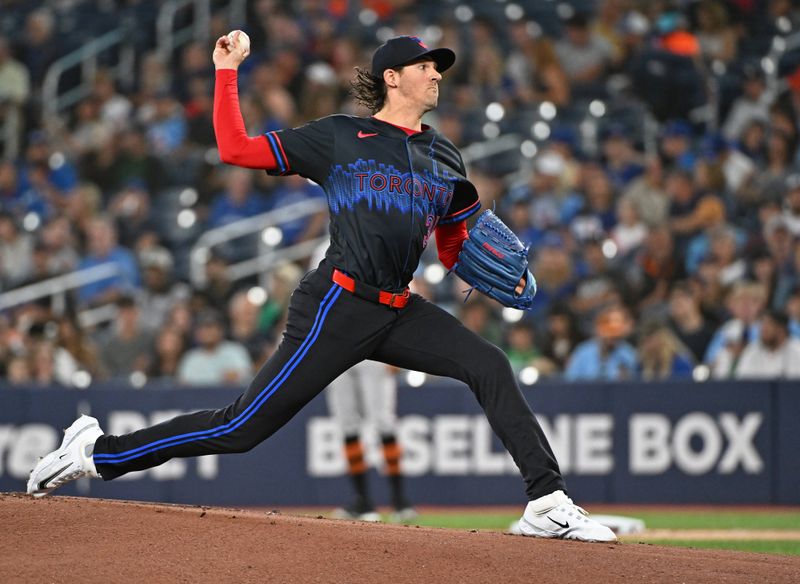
391	183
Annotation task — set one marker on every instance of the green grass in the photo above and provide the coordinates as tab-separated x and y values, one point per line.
467	520
653	519
791	548
725	519
657	519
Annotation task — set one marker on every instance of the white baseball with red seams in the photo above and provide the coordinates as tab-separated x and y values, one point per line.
243	41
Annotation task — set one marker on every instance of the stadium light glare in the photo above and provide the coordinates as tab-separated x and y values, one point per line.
434	273
188	197
541	130
211	156
512	314
547	109
186	219
138	379
56	160
597	108
514	12
491	130
534	29
31	221
565	11
529	375
415	378
384	33
609	249
464	13
257	295
201	255
701	373
321	73
81	379
528	148
433	33
368	17
272	236
495	111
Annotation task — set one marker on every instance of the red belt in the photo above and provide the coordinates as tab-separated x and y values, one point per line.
392	299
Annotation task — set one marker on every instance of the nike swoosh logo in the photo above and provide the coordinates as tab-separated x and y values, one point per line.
564	525
43	483
362	134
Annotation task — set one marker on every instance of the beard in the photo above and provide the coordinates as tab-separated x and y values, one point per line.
431	103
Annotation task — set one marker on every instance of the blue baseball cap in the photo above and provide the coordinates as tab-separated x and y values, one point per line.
552	240
615	130
714	145
564	135
676	128
402	50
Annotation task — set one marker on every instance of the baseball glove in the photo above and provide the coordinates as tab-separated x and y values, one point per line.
493	260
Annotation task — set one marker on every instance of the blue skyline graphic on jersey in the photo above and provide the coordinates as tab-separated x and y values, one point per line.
383	188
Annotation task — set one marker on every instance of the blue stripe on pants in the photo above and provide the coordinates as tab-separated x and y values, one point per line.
263	396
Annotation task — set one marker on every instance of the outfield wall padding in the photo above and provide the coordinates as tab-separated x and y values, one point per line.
714	442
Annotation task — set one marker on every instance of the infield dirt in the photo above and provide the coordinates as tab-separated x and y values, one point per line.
68	539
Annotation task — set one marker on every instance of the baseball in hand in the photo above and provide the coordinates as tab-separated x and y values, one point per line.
242	42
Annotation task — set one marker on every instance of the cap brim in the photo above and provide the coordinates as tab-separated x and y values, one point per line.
444	58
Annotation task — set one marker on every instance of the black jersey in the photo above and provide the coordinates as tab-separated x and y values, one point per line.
386	191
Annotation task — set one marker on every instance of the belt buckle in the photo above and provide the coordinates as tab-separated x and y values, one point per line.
404	295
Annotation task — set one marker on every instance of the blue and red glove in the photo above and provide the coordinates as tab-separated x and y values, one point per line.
494	261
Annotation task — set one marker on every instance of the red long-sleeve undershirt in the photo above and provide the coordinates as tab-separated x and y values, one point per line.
449	239
236	147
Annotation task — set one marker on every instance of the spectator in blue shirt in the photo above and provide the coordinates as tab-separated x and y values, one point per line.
60	173
167	130
662	355
556	277
622	162
101	237
605	356
295	189
238	201
44	179
676	145
745	303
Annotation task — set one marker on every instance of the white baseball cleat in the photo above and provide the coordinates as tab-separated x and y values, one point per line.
404	514
556	516
71	461
360	509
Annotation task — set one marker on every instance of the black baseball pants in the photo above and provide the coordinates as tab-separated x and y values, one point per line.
328	331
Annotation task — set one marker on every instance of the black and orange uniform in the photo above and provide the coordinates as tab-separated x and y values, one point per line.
388	190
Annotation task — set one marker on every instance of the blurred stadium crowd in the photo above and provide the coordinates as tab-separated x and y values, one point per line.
654	169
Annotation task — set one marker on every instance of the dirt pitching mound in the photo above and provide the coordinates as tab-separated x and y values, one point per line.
68	539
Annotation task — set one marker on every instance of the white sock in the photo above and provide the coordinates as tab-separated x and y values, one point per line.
548	502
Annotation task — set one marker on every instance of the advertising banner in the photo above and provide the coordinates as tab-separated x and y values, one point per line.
635	443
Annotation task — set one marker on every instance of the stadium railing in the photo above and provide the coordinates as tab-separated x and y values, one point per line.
54	101
57	287
268	255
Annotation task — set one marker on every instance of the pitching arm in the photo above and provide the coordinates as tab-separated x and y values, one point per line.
235	146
